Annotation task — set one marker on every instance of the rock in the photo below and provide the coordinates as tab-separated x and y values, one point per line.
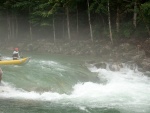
115	66
146	64
100	65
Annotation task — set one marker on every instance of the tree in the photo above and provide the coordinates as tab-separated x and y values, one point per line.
135	14
10	13
68	23
89	18
68	5
26	6
46	10
121	16
109	22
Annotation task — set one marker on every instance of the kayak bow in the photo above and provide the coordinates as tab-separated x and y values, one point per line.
15	62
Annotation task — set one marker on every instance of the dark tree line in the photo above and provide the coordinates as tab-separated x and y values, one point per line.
74	19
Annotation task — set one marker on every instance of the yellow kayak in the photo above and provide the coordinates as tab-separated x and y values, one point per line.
15	62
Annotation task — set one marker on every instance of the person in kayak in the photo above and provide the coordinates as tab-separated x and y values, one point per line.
16	54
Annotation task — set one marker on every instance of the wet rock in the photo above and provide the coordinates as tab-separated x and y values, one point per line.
115	66
100	65
146	64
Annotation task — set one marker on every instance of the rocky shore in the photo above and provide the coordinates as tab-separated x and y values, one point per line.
127	50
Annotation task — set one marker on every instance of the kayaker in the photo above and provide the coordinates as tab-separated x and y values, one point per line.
1	73
16	54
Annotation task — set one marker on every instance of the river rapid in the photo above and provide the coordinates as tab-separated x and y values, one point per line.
64	84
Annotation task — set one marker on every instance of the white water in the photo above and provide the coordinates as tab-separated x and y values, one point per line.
128	90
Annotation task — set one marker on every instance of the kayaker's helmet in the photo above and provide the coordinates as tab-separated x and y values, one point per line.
16	49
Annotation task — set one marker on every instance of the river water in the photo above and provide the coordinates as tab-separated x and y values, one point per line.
64	84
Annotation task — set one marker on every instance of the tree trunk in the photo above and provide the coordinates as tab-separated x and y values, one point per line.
68	23
148	30
8	26
89	18
109	22
16	24
31	38
135	14
30	27
63	27
13	27
77	22
54	32
117	20
104	25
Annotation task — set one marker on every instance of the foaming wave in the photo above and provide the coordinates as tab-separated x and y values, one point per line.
125	86
122	89
9	91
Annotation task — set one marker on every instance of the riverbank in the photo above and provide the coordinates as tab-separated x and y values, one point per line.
124	50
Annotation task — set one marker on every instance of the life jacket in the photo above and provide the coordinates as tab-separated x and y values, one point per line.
15	55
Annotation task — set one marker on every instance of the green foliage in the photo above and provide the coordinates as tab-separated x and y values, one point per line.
99	6
40	13
126	29
22	5
146	8
146	11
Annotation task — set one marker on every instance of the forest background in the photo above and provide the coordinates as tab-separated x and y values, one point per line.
77	27
74	19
